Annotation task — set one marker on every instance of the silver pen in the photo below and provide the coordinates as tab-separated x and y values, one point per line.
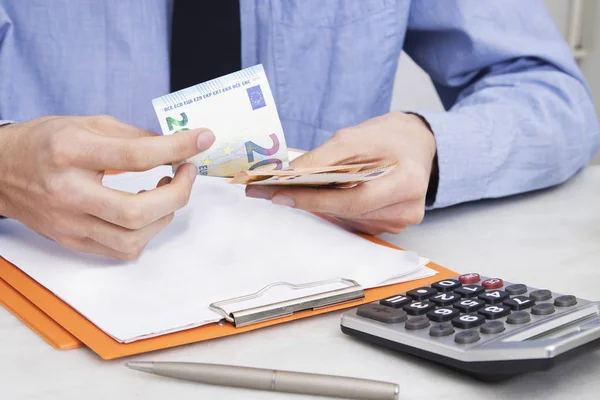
272	380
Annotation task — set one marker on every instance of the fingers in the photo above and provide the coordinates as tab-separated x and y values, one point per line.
107	125
330	153
346	203
133	211
142	153
124	240
347	146
87	245
103	238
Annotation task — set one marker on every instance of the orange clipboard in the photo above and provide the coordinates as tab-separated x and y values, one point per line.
65	328
36	319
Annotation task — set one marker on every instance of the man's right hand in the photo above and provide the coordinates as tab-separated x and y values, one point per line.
51	172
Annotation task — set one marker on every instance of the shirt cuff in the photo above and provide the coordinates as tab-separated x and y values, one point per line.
463	147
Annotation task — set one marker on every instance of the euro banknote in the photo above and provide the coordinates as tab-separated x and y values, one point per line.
250	145
240	110
344	176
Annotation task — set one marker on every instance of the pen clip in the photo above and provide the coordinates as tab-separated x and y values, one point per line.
252	315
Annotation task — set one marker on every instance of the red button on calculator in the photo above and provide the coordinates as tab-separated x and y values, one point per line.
492	283
469	278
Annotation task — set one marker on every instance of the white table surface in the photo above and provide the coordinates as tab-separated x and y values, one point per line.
549	239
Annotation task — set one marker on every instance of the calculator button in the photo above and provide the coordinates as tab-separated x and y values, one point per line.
541	295
469	278
470	290
382	313
417	323
468	321
492	283
445	299
565	301
494	311
446	285
519	302
492	327
494	296
543	309
443	329
518	317
516	289
443	314
419	307
467	337
469	305
396	301
421	293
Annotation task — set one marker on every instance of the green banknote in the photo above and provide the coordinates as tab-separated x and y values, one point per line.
240	110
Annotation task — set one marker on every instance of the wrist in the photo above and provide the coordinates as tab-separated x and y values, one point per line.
4	212
434	174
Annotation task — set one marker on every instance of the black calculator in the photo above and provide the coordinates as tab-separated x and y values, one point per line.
485	327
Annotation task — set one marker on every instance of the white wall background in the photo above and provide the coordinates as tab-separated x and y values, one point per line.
413	88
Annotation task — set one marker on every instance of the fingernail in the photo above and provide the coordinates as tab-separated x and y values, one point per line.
256	193
205	140
283	201
192	171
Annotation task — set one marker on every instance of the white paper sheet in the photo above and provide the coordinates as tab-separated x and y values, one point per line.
221	245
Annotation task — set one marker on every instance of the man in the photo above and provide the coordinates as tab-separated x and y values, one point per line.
519	115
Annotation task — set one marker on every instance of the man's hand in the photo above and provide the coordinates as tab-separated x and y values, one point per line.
388	204
51	172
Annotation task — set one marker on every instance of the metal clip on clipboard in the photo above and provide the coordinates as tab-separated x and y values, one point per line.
288	307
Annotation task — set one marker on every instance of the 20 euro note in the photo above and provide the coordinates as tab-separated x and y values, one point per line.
240	110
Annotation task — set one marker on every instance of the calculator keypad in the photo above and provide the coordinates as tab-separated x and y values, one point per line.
516	289
421	293
416	323
468	308
445	299
494	311
447	285
440	330
419	307
469	291
494	296
443	314
518	303
469	305
467	321
396	301
565	301
543	309
382	313
518	317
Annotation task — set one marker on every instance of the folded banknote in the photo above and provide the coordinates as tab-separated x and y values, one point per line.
335	176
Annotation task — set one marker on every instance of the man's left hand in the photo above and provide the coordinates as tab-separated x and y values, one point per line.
388	204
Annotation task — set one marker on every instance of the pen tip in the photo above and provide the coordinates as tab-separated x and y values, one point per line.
141	366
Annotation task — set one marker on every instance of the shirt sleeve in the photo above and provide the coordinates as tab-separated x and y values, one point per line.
518	113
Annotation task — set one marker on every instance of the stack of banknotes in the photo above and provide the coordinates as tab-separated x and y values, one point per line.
250	146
